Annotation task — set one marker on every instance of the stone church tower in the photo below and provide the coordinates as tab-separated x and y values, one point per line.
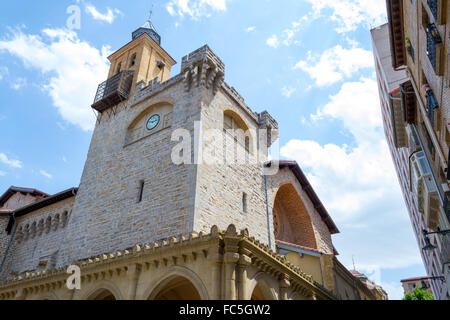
158	214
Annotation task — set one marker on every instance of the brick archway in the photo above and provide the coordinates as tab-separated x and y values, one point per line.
291	220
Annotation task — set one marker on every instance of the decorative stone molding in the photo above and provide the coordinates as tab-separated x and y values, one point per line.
239	250
37	228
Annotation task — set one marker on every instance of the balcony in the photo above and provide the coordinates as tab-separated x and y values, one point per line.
433	4
113	91
431	105
433	39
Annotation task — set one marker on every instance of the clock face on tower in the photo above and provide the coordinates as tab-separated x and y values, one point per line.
153	122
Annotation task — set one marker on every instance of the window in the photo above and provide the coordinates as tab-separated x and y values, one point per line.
141	190
119	67
133	60
244	203
237	128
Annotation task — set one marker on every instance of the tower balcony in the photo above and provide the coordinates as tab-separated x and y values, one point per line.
113	91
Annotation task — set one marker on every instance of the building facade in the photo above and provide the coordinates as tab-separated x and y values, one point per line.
417	282
412	63
158	214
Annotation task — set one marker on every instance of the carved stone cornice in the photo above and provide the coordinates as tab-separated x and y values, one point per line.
229	246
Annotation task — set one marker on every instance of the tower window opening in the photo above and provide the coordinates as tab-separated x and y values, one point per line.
245	202
119	67
141	190
133	60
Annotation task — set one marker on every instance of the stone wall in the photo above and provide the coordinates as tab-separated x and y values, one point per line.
107	215
4	237
38	239
19	200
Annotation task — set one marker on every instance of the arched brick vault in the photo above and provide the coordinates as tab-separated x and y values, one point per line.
291	219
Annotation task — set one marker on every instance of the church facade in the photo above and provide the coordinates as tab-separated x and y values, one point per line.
162	212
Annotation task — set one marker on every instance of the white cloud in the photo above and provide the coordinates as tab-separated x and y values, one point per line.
358	184
74	68
335	64
109	16
287	36
195	8
3	72
46	174
250	29
2	173
350	14
288	91
10	162
19	83
273	41
64	159
394	290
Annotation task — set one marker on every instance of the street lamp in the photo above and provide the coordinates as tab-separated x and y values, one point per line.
428	245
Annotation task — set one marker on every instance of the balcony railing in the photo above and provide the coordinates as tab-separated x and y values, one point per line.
433	4
431	105
113	91
433	39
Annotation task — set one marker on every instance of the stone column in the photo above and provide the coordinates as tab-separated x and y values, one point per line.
284	286
132	276
243	263
20	295
230	258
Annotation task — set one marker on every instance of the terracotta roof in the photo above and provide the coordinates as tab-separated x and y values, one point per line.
299	246
293	165
357	274
12	190
414	279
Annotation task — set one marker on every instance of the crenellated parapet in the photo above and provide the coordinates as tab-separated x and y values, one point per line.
203	68
267	122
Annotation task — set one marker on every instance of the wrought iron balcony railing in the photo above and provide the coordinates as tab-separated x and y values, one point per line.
113	91
433	39
431	105
433	4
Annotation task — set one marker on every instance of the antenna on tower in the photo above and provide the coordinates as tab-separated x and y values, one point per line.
353	260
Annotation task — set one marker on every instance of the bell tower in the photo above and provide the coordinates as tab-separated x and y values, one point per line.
141	60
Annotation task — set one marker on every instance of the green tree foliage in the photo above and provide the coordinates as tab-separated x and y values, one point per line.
419	294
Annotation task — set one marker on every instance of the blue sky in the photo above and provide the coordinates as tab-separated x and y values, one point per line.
308	62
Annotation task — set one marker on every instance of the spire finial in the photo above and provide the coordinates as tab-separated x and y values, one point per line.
151	12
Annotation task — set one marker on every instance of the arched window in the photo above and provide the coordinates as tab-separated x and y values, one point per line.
119	67
237	128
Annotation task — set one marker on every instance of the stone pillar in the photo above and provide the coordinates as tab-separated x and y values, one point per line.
230	258
132	275
215	260
284	286
243	263
20	295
